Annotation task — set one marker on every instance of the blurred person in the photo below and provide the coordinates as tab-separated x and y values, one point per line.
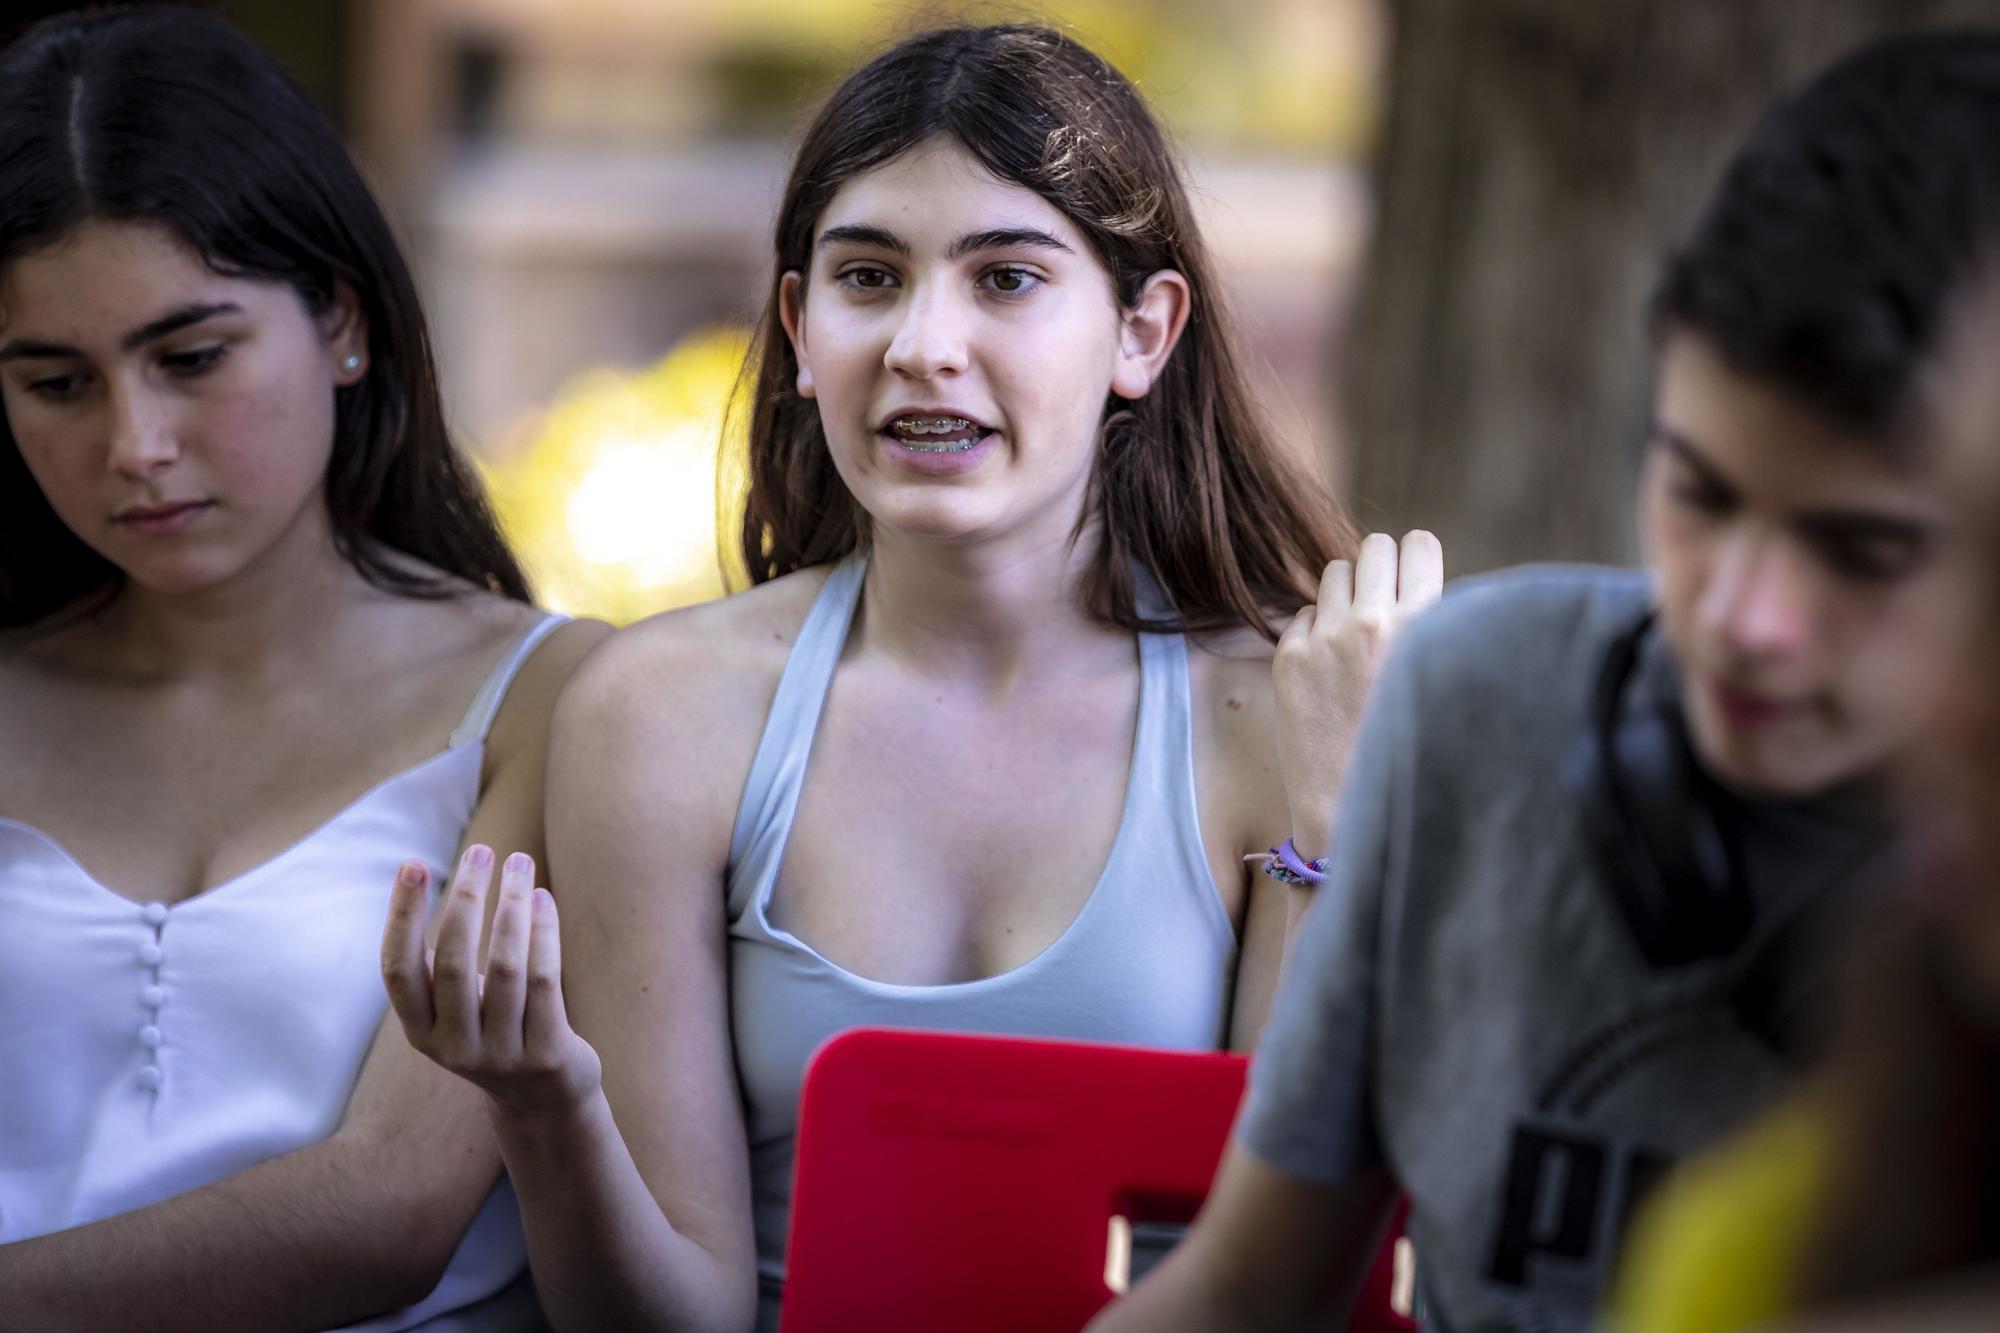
989	743
1577	909
1876	1189
257	628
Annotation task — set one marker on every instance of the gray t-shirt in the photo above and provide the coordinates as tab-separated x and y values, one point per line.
1466	1005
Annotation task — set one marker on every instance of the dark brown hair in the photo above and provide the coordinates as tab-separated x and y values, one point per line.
1825	259
1189	481
165	116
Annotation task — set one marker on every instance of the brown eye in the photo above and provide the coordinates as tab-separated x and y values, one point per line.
1011	281
196	361
1872	560
1703	499
867	278
56	388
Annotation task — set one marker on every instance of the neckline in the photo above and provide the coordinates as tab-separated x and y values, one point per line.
1148	710
260	868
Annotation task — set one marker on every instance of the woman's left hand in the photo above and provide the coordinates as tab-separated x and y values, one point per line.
1326	660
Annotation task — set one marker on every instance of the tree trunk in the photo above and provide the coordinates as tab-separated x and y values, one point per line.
1539	160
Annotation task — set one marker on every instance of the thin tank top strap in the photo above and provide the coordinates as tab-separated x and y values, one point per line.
1163	753
771	794
485	705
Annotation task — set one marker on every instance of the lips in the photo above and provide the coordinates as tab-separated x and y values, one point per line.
164	517
1744	709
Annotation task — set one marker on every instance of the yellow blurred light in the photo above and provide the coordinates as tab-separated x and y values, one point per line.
610	496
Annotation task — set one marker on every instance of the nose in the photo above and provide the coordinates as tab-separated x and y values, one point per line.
1758	599
143	438
930	340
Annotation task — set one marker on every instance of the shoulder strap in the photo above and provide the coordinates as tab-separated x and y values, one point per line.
777	773
485	705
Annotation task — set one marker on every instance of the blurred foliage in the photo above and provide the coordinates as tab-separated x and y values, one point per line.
1286	75
1275	75
612	495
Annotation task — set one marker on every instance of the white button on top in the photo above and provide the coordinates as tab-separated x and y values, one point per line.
150	1077
152	996
150	953
149	1037
155	913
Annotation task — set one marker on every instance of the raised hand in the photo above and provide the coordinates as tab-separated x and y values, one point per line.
1326	660
505	1029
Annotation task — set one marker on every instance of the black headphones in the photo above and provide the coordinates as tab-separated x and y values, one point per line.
1666	837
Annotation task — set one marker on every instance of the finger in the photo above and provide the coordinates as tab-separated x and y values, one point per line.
1419	570
546	1022
454	968
403	969
1297	630
1336	589
1375	574
506	974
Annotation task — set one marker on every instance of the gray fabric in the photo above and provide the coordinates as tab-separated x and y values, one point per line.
1464	1003
1148	961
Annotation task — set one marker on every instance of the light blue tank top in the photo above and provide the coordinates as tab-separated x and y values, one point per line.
1149	959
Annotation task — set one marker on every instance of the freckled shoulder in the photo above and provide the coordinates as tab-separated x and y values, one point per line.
1230	676
704	674
1236	722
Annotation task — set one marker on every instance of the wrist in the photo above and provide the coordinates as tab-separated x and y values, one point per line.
545	1125
1311	837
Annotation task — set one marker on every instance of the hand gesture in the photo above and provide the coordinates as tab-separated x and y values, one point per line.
504	1030
1326	660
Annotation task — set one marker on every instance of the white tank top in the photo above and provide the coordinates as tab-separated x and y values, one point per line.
147	1050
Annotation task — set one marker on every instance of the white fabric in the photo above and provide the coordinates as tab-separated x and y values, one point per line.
148	1050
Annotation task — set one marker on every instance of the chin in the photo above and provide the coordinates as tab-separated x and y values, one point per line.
946	519
185	578
1777	767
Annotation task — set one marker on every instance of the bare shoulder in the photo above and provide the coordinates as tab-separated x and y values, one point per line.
1229	676
698	667
1236	732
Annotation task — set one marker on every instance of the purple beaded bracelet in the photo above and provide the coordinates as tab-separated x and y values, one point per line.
1288	867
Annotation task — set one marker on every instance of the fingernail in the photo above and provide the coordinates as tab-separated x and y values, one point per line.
411	874
544	900
478	856
519	863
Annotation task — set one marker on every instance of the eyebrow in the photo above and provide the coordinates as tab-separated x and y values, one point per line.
173	321
1682	448
1845	524
994	238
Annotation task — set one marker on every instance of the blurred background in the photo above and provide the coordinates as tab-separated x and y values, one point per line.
1435	219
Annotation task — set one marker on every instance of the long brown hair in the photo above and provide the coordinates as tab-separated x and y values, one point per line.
1189	482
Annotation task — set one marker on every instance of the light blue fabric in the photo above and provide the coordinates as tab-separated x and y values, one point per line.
1149	959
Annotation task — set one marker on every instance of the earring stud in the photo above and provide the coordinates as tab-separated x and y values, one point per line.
350	362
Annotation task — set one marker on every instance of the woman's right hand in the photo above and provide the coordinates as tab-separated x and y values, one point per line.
504	1029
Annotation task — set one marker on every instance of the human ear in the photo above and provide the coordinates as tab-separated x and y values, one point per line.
345	326
1149	331
791	313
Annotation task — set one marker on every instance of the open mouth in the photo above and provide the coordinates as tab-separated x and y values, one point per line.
935	434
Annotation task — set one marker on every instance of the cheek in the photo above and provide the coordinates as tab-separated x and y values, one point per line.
1677	551
271	445
843	338
1893	661
1055	384
59	461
